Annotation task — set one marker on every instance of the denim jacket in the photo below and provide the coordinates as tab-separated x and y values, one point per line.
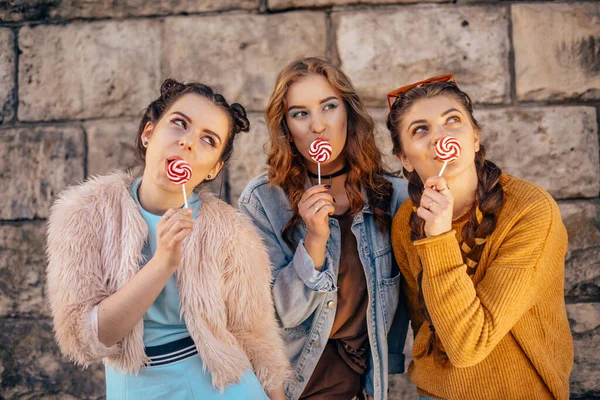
305	298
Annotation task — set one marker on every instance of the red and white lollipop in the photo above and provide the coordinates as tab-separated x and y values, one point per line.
320	150
179	172
447	150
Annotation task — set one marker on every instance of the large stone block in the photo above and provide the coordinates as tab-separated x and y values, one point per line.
55	9
384	139
32	367
582	220
7	75
555	64
84	70
111	145
585	325
249	156
240	55
36	164
582	274
23	267
384	49
555	147
284	4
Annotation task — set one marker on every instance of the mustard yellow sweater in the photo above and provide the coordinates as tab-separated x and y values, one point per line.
505	328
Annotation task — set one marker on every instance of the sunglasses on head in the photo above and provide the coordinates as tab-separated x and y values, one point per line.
394	94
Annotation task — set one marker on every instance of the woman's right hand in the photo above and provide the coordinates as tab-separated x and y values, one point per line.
171	230
315	207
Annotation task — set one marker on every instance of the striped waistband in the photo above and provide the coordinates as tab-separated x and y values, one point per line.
171	353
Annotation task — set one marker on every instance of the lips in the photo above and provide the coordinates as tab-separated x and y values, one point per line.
171	159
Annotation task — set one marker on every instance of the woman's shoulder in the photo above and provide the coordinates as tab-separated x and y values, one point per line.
400	224
94	192
260	190
399	191
521	195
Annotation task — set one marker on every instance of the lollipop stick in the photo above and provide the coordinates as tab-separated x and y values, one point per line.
319	171
184	196
443	168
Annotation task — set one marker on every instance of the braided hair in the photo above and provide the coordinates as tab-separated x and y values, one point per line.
489	196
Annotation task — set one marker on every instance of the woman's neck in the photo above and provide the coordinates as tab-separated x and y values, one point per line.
155	200
463	188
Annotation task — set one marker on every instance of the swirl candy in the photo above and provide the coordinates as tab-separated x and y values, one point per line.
179	171
447	150
320	150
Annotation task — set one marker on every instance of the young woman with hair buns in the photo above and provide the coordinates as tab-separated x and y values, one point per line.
482	253
174	307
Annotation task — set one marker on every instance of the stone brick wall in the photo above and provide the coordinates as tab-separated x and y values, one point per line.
75	75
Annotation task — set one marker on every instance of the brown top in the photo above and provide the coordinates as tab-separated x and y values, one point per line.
344	360
350	324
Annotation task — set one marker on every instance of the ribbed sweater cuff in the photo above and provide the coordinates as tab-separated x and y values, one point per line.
439	254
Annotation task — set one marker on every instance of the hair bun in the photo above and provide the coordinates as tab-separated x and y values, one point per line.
170	85
240	120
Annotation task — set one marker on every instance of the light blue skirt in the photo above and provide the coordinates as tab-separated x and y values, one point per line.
183	380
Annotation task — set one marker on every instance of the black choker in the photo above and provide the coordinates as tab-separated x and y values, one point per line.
330	176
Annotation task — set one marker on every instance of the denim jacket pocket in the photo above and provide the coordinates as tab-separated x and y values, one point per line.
390	295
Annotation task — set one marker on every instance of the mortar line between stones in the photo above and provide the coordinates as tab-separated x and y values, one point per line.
263	6
511	59
15	94
350	7
581	300
85	152
329	37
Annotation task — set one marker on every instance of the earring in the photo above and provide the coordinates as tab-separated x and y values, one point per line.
209	177
145	143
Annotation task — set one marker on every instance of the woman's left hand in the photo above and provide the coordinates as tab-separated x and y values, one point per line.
436	208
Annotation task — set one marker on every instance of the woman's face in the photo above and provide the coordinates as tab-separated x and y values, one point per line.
424	124
316	110
193	129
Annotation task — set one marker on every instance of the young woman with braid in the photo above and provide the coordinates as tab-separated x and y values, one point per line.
482	253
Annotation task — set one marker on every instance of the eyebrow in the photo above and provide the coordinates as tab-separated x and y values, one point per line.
189	120
419	121
422	121
449	111
321	102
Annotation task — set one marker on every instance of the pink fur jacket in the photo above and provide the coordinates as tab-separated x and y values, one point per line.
95	239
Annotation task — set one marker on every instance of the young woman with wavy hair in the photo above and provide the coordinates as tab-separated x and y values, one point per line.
482	254
336	286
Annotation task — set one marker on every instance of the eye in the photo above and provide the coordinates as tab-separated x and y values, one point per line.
453	120
210	140
299	114
420	129
180	122
330	106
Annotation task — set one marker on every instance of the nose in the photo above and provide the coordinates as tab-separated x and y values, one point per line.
437	134
186	143
317	126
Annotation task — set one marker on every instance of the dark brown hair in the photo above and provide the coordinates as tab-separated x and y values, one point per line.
287	168
171	91
489	195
